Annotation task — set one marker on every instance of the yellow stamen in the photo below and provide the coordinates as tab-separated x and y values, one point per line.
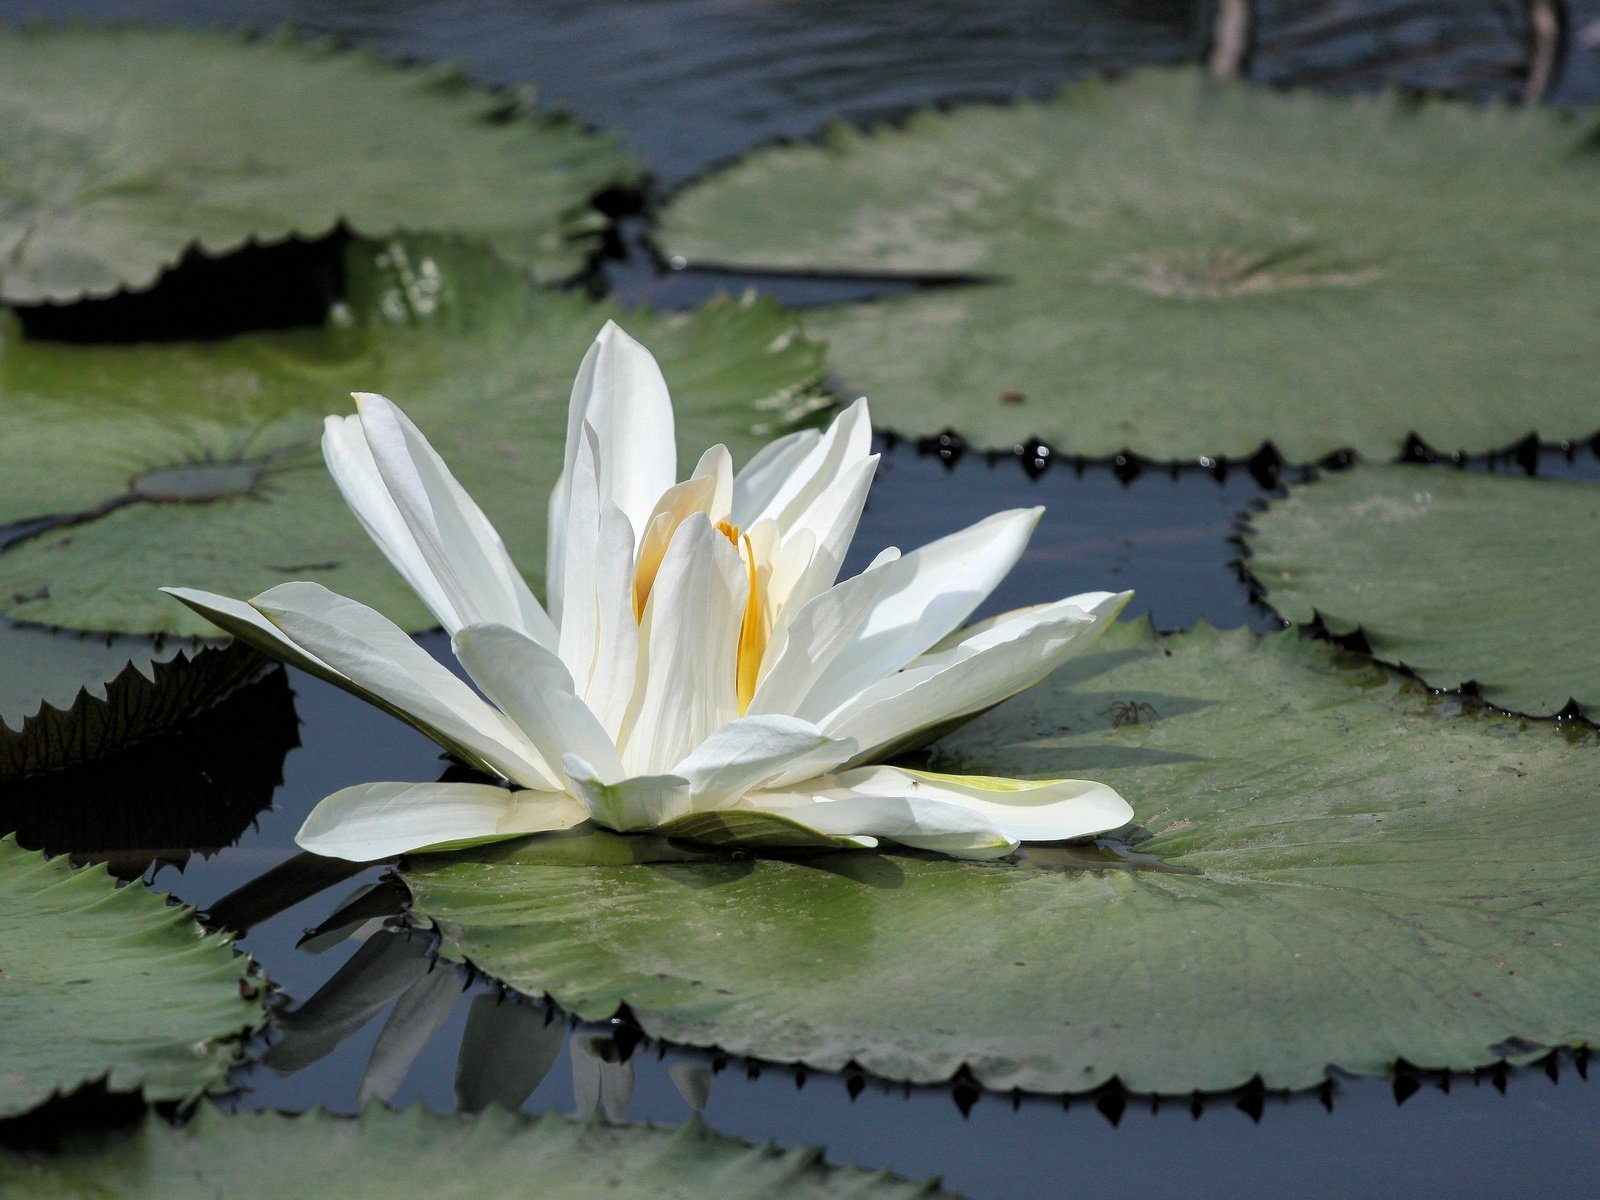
756	629
753	634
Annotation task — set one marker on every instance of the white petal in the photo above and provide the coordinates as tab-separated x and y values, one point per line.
345	450
831	520
616	660
620	391
930	591
688	645
639	802
415	689
459	545
1046	810
599	632
533	688
966	678
377	659
379	820
801	655
1102	606
911	821
245	623
847	442
759	480
716	464
693	495
755	752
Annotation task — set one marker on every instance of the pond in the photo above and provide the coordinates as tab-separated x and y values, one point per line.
690	84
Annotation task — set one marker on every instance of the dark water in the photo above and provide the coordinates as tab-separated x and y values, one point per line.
691	82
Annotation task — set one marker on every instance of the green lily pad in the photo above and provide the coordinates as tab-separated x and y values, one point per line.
416	1153
1334	870
135	707
99	982
126	146
1461	578
1183	268
200	463
161	795
46	666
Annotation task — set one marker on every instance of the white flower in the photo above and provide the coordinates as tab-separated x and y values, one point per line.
697	656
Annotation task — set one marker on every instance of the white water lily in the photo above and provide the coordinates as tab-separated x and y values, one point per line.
697	671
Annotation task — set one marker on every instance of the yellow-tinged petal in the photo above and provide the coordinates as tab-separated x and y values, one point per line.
675	506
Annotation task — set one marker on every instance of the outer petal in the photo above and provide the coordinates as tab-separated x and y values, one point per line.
245	623
1043	810
930	591
971	675
912	821
466	556
639	802
376	659
755	752
1102	606
687	646
379	820
533	688
350	462
599	634
459	721
620	391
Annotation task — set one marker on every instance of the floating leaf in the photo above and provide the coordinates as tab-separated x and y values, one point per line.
47	666
105	983
1333	871
200	462
135	707
1183	268
196	785
416	1153
126	146
1458	577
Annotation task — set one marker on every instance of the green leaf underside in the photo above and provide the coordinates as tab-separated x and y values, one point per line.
480	361
105	983
126	146
1459	577
1355	876
1184	268
135	707
415	1153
